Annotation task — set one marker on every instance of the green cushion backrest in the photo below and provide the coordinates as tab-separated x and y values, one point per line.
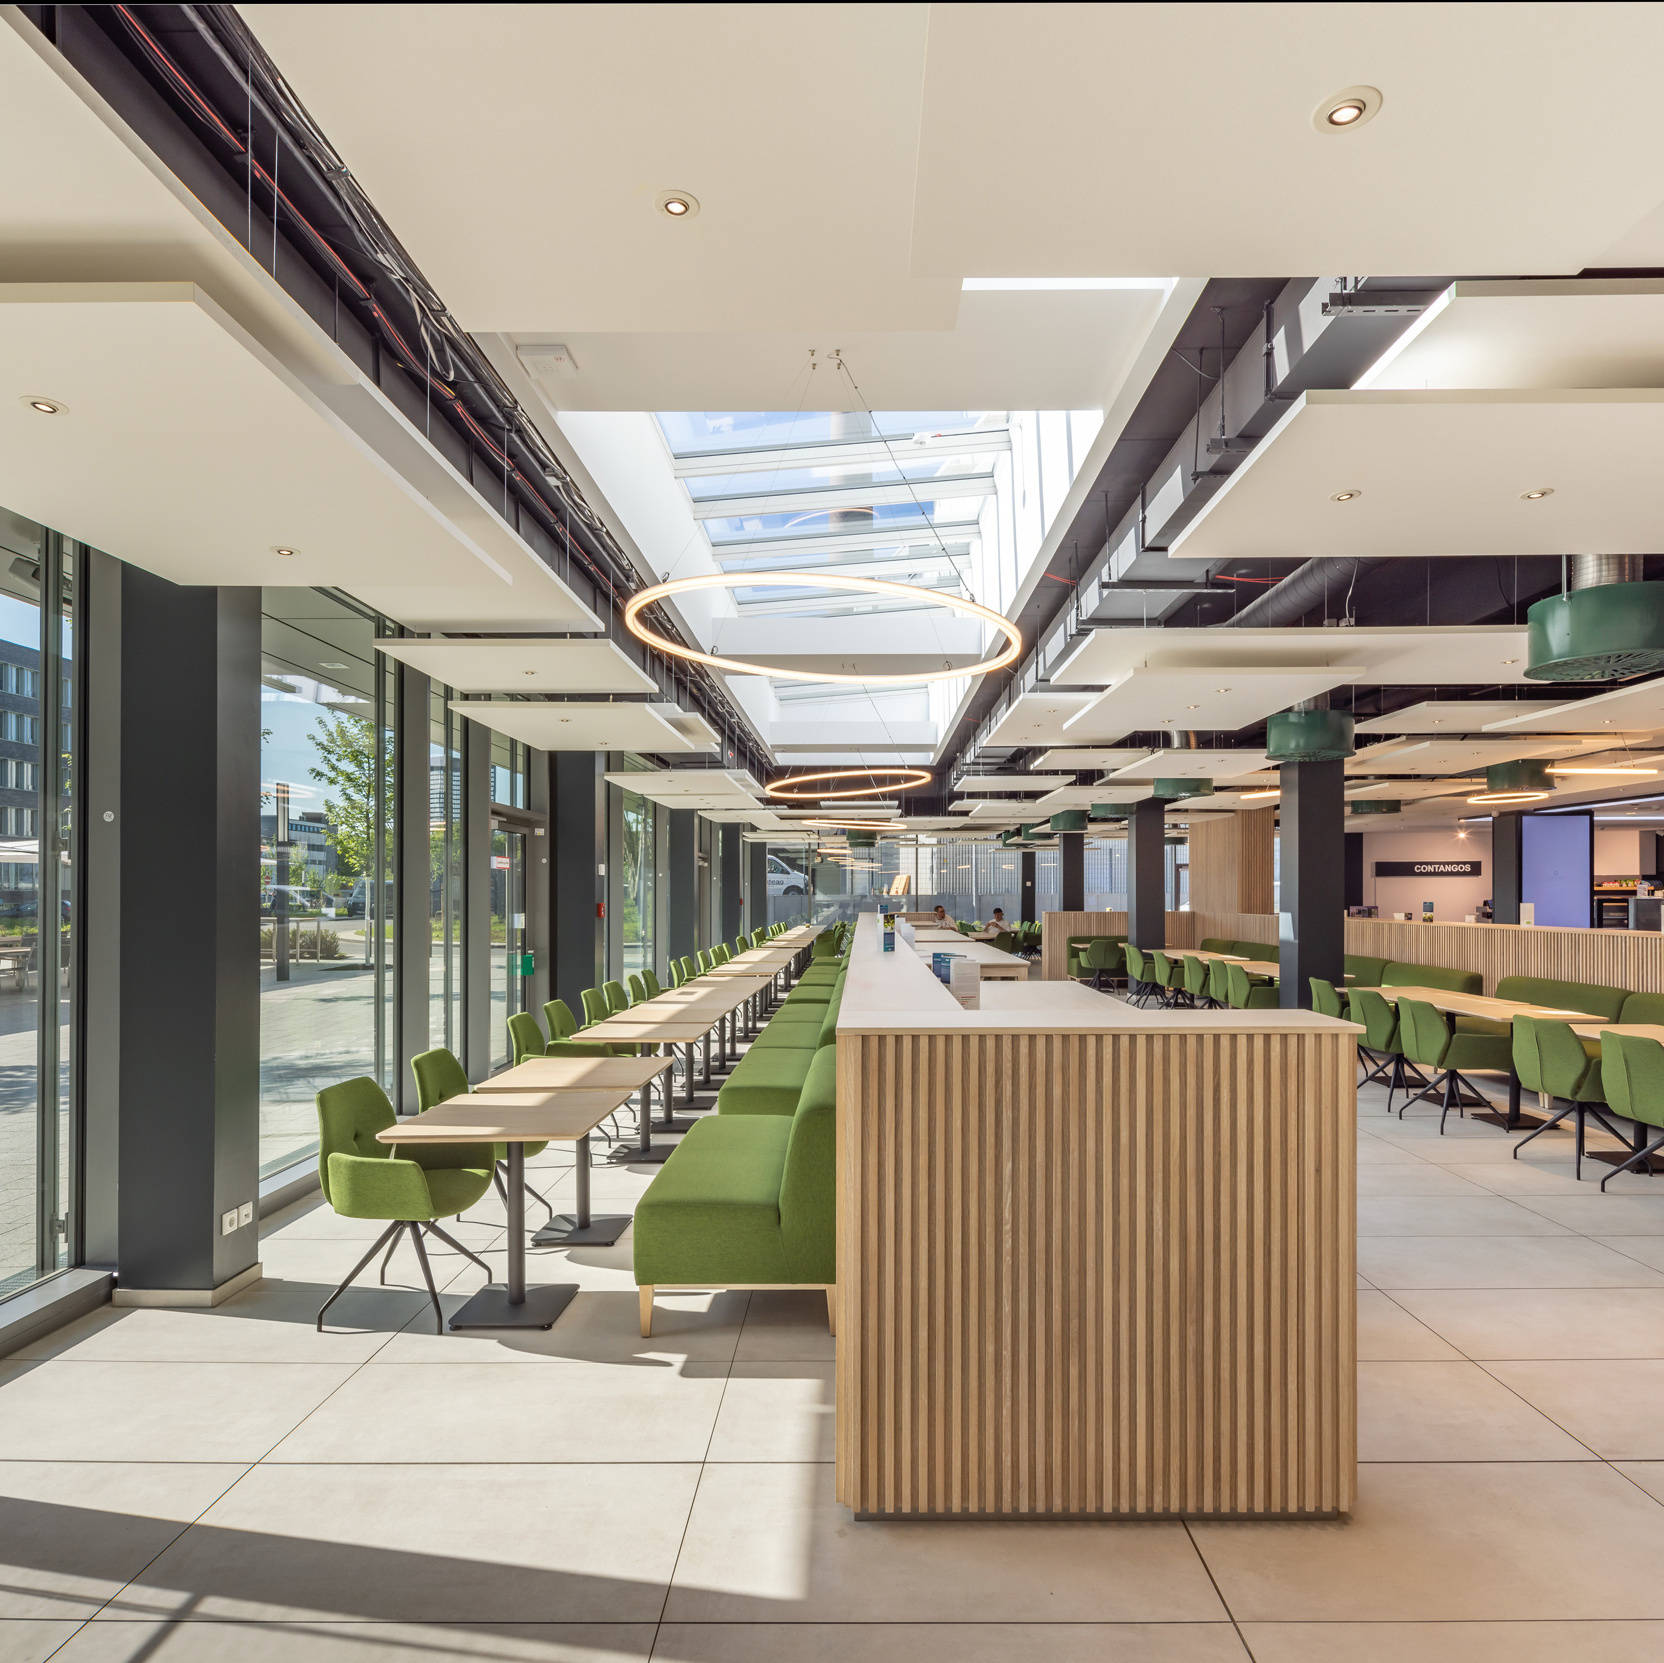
808	1186
829	1022
1325	999
1554	1060
704	958
650	981
1265	950
1161	969
439	1077
638	989
1643	1009
676	976
577	1048
617	999
1195	974
720	953
1577	996
1422	1033
1004	941
1632	1075
1397	974
1236	983
689	968
525	1038
826	945
558	1015
1101	953
595	1006
349	1116
1214	944
1136	967
1364	971
1379	1018
1219	988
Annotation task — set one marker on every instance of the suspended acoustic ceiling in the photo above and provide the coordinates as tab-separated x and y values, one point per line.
1198	764
1411	789
575	725
1211	700
1004	811
1438	656
1456	756
1083	796
1011	782
1637	707
1551	333
1453	716
1100	758
701	788
522	664
693	727
916	641
184	447
1442	473
1037	717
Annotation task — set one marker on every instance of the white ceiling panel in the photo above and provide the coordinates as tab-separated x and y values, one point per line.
1012	782
1442	655
1195	765
1409	789
1038	717
1638	706
691	787
1455	756
1084	760
1442	473
1452	716
693	727
1083	796
1557	333
572	725
523	664
1205	700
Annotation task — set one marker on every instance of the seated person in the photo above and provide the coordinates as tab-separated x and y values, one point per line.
997	922
940	916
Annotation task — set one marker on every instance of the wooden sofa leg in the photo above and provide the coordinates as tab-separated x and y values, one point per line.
832	1310
645	1296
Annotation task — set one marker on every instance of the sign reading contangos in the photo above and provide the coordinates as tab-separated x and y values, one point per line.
1429	868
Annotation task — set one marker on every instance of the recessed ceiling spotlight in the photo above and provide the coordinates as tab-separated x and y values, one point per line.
44	406
1346	496
285	554
1537	495
1510	661
528	672
678	204
1350	107
1219	690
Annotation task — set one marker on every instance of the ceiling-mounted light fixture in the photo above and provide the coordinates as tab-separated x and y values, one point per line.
678	204
285	554
852	584
1345	496
1351	107
44	406
1524	781
1538	495
1613	773
907	779
1259	796
854	825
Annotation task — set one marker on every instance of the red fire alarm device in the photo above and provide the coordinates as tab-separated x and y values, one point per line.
600	909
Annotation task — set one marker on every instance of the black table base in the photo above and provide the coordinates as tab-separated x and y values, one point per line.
493	1307
565	1230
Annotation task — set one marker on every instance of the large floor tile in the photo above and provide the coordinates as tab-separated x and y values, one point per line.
142	1642
314	1220
1413	1178
1451	1412
68	1411
1524	1178
1509	1262
1388	1333
768	1543
32	1639
1649	1250
464	1544
1534	1323
1585	1642
1649	1475
1455	1542
777	1412
320	1264
1452	1215
1613	1407
72	1532
1374	1151
644	1410
784	1326
1594	1214
949	1643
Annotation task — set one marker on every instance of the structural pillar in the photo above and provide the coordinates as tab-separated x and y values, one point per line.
413	874
756	886
732	896
682	918
1025	886
187	1042
1071	861
1312	924
578	826
1507	867
1147	874
477	1015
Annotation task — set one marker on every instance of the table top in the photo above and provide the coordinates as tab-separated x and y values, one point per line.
510	1117
1639	1030
1480	1004
543	1074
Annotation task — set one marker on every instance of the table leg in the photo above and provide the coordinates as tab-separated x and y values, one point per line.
579	1228
687	1075
514	1305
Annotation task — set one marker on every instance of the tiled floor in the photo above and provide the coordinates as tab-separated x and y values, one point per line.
191	1486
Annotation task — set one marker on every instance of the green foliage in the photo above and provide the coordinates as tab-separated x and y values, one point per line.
304	943
346	748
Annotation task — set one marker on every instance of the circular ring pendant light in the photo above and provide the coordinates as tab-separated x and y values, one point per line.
1511	783
644	598
907	779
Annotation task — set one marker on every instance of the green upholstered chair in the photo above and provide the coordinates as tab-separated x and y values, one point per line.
1075	948
1248	992
1101	959
638	988
595	1006
690	967
704	960
439	1077
1379	1050
1632	1076
742	944
758	936
561	1022
1362	970
1445	1053
1005	942
746	1201
1549	1058
618	1001
720	953
676	976
651	982
1163	973
1141	987
1193	979
362	1177
1219	991
525	1037
1327	999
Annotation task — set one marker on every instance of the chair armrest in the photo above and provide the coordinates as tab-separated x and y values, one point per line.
373	1186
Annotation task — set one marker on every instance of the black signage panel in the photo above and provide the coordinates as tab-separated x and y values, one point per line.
1429	868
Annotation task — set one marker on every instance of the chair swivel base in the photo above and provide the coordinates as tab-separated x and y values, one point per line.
564	1230
491	1307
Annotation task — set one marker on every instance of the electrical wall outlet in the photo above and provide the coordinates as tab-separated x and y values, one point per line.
245	1214
228	1222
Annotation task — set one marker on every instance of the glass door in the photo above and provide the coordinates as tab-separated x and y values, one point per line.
508	935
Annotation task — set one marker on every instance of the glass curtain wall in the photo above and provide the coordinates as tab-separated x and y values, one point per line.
39	982
637	880
326	862
445	861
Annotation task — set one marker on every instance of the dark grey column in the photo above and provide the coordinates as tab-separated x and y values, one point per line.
756	885
709	881
413	874
733	895
682	870
1507	831
1025	886
1312	933
1071	860
578	828
188	1034
1147	874
1354	869
538	916
476	899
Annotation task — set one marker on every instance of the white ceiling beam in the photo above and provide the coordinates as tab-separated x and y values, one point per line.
831	498
846	453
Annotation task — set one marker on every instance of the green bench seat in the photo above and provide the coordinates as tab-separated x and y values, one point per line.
767	1080
1363	971
1588	997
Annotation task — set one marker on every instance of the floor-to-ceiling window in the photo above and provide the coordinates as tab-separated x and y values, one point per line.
637	891
326	862
508	855
38	901
445	860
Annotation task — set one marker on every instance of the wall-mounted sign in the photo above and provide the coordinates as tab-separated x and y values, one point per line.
1429	868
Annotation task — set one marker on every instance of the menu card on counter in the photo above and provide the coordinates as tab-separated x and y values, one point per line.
965	982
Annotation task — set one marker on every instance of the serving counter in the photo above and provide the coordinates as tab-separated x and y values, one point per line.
1092	1261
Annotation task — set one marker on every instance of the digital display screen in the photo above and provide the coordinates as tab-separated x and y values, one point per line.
1557	867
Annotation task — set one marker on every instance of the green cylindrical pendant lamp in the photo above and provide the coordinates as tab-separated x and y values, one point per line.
1606	633
1309	736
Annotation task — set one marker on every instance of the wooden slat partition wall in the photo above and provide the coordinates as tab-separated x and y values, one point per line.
1609	958
1057	927
1232	862
1096	1274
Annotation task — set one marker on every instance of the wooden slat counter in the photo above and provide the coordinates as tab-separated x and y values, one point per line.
1092	1261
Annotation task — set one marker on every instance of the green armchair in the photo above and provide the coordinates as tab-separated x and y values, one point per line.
1249	993
1445	1052
1549	1058
1632	1076
439	1077
362	1177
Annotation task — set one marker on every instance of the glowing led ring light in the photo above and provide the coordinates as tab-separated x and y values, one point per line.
908	779
822	580
853	825
1494	798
